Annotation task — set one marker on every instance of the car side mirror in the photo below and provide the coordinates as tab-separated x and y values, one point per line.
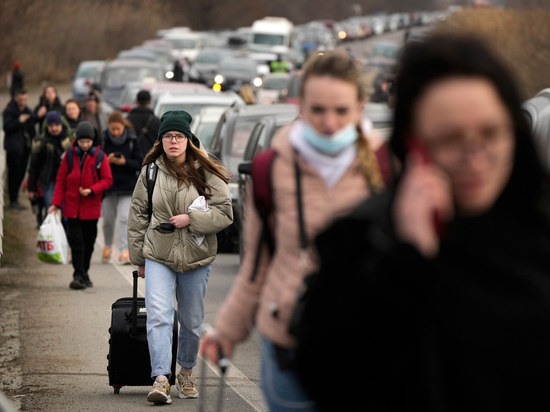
245	168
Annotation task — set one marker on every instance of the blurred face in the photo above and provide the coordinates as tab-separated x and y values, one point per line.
50	94
91	106
329	104
116	129
174	144
55	129
73	110
21	100
85	144
468	133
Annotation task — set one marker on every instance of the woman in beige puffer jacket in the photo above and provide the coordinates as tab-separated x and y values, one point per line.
175	246
337	170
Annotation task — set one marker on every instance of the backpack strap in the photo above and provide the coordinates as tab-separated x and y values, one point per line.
99	160
69	153
150	178
263	200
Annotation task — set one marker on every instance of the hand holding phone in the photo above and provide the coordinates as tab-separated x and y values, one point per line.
423	202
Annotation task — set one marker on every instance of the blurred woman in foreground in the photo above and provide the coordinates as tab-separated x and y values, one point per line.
445	299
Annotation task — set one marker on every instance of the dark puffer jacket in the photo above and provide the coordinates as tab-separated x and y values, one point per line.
18	135
124	176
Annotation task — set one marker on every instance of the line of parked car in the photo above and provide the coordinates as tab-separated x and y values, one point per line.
212	68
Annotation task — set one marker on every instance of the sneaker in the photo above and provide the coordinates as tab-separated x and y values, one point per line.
106	254
77	284
17	206
88	283
186	384
124	258
160	394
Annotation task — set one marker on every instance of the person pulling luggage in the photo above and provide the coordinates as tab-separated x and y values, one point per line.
174	246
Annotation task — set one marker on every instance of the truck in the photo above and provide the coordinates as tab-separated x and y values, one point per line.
271	34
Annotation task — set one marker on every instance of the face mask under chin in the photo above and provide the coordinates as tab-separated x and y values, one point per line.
331	144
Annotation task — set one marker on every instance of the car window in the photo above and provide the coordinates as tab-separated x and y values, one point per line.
269	39
277	83
238	65
213	58
294	87
253	142
385	50
86	71
205	132
118	76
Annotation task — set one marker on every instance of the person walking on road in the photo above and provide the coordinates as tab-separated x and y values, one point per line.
81	182
47	151
17	78
119	142
175	245
146	124
18	125
72	114
49	101
93	113
448	274
328	153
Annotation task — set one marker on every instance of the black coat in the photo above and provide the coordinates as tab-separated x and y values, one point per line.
125	176
17	81
465	331
18	136
56	106
143	117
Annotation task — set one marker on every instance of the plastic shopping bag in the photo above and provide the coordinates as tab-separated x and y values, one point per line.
51	243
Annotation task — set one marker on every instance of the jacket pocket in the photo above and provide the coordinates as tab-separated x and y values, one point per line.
196	253
160	245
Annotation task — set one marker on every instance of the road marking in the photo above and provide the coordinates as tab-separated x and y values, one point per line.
234	378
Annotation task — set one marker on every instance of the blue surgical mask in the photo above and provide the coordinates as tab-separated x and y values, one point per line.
331	144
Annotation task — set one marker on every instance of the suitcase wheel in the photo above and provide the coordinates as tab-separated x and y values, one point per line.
117	389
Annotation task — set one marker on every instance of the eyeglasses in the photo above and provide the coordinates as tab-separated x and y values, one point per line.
179	137
489	141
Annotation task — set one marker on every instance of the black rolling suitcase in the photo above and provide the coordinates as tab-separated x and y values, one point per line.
128	358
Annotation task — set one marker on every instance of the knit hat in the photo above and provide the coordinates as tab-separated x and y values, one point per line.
177	120
85	130
53	117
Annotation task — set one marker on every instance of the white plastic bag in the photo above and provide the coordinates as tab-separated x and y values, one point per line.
51	244
200	204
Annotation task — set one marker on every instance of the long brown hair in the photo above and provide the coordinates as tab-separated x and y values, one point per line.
117	117
339	65
187	173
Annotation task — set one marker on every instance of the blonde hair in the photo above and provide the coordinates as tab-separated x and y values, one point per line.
339	65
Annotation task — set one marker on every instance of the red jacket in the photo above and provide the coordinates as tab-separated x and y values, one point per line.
66	193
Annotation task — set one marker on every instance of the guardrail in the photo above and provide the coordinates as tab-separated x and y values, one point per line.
2	180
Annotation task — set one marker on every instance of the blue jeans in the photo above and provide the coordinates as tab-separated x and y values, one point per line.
161	283
281	388
48	194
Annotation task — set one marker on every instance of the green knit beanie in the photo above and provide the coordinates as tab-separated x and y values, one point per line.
175	120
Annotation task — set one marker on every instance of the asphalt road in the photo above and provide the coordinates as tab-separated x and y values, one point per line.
53	340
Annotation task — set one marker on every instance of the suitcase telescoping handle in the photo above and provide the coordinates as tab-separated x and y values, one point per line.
134	303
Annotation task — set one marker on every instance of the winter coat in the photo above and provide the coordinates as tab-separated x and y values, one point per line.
269	300
98	120
85	174
142	117
18	136
17	78
464	331
124	176
56	106
46	154
177	250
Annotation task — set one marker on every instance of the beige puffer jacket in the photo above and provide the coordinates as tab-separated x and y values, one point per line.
269	300
177	250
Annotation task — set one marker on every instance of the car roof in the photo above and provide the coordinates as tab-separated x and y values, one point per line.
264	110
132	63
198	95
